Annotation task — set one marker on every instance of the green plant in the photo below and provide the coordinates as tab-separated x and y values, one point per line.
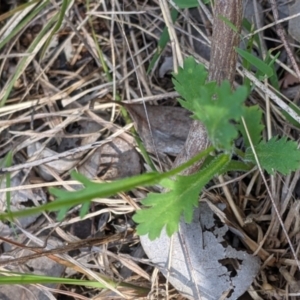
217	107
225	116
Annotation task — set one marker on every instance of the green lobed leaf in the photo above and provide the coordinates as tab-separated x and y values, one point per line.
253	117
188	78
66	199
92	190
276	155
165	209
215	106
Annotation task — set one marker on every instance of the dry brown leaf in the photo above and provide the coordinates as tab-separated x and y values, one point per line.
169	127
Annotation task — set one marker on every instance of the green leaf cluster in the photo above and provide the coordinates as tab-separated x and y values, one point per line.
221	110
181	199
276	155
216	106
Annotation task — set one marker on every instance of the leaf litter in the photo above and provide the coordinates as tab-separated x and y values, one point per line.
39	112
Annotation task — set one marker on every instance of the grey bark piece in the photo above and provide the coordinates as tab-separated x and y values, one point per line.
206	253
